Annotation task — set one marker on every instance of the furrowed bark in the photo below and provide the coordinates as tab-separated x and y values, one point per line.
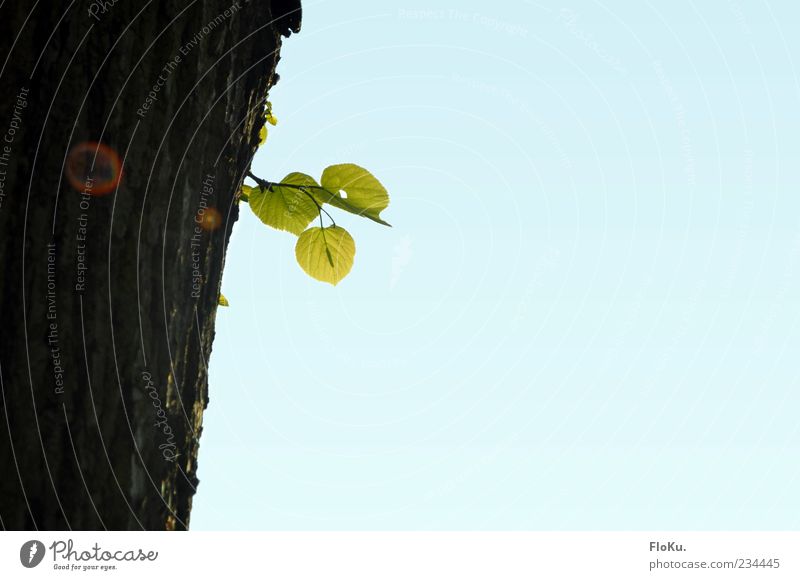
107	302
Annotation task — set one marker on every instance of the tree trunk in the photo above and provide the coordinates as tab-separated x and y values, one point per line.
108	298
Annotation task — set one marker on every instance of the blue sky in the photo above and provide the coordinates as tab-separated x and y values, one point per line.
585	313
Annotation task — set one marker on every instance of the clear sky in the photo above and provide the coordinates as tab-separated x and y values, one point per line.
585	314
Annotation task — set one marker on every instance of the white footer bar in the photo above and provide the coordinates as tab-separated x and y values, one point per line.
401	555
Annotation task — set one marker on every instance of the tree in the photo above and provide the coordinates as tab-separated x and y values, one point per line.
127	129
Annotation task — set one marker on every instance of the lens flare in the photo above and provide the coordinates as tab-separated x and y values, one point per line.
93	168
209	219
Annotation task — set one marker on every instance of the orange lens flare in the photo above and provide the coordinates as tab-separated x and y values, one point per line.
93	168
209	219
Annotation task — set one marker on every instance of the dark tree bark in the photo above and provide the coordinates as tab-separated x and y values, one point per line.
107	300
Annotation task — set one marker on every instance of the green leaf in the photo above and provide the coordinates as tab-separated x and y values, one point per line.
365	196
297	178
285	208
262	135
222	300
244	193
326	254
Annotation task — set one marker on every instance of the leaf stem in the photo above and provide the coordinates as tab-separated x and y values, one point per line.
312	198
261	182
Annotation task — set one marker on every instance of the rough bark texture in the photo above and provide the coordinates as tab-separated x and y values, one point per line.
105	327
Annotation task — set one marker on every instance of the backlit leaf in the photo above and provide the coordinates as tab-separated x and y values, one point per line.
364	194
245	192
326	254
285	208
